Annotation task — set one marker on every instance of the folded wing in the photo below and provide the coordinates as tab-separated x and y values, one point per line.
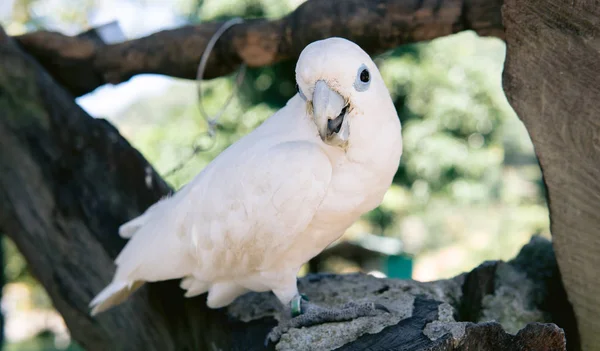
239	213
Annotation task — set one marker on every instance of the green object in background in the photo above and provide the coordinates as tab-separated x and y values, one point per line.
395	262
399	266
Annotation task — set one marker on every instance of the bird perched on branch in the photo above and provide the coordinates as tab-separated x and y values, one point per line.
277	197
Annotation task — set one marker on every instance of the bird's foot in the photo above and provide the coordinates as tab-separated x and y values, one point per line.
306	314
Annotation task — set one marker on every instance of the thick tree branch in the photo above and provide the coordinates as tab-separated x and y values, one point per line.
81	65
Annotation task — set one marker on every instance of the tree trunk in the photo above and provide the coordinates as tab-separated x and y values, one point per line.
552	80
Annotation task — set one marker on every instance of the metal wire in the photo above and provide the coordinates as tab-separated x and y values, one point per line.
213	122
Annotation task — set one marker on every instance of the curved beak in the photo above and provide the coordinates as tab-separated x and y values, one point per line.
328	109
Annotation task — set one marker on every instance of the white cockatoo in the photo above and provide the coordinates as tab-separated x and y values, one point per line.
277	197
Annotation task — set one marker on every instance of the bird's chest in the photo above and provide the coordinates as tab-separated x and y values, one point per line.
354	190
362	175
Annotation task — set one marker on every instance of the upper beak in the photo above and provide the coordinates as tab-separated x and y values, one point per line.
328	109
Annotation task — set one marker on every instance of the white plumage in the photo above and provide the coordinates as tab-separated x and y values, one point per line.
278	196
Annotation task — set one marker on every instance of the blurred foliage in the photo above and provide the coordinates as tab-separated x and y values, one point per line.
468	189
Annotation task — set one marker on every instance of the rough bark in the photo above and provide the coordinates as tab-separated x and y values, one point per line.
552	80
81	65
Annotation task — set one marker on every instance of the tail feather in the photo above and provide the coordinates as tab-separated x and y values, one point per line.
127	230
114	294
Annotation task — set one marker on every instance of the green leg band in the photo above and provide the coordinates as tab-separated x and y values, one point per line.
296	304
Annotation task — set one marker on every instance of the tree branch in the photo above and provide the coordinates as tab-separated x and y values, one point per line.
81	65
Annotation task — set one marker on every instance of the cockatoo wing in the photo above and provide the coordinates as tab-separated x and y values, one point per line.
250	201
250	212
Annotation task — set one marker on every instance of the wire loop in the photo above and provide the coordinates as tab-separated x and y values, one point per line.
213	122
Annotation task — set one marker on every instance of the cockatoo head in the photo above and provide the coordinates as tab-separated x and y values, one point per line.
339	83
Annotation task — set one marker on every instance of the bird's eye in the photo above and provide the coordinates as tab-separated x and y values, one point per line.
364	76
363	79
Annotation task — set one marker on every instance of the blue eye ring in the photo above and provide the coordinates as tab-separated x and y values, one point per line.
363	79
